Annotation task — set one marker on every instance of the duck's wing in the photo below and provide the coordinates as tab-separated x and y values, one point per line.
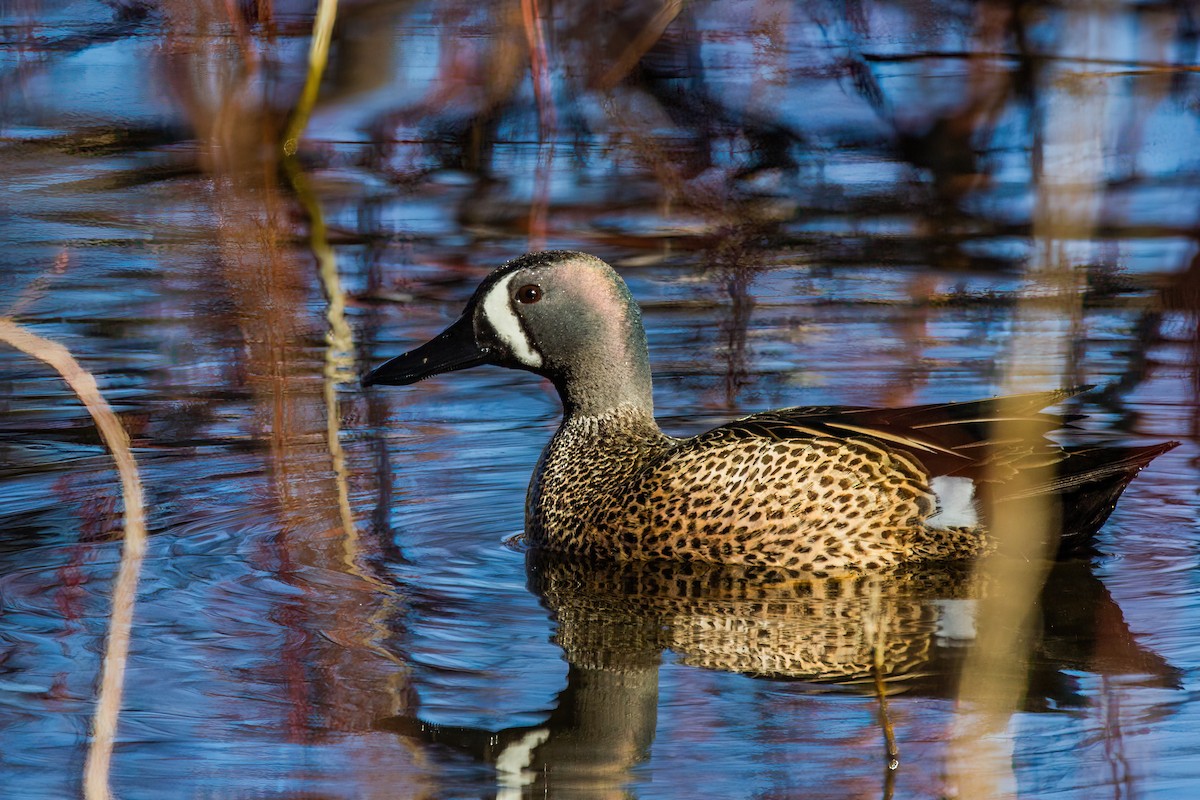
946	438
818	488
967	440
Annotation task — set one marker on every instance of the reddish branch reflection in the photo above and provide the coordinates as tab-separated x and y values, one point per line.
724	140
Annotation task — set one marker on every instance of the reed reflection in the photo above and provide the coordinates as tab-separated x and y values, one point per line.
140	151
332	624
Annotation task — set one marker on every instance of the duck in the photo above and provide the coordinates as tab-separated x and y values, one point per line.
819	490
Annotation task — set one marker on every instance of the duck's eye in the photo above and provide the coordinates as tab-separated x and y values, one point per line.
529	293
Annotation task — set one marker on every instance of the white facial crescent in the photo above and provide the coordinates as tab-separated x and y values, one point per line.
498	311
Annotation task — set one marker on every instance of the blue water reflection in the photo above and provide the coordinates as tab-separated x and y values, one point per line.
814	204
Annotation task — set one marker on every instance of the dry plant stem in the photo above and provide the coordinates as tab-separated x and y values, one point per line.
995	676
108	705
875	632
339	339
645	39
339	353
318	56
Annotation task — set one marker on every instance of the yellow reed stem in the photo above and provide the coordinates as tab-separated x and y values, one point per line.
339	339
995	675
875	630
339	352
318	57
108	704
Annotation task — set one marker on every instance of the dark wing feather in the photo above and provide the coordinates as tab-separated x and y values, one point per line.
946	438
1088	483
962	439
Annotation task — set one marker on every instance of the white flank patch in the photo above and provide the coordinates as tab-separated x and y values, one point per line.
513	762
955	502
497	310
956	620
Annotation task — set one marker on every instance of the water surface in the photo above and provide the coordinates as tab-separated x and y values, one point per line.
814	204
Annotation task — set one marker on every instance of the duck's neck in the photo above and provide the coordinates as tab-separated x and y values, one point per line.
616	390
610	373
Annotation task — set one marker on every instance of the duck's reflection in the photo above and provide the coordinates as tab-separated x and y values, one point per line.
910	628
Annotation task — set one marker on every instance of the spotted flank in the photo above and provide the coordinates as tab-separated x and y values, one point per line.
813	490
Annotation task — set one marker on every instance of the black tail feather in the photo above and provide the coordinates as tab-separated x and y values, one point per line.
1090	481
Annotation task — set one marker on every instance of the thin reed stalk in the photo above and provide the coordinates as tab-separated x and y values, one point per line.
112	678
1047	324
339	338
318	56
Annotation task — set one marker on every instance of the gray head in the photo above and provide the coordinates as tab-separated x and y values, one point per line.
564	315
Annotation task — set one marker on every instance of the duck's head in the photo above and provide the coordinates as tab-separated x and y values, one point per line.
564	315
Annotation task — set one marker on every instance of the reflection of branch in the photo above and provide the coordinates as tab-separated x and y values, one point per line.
108	705
339	340
735	328
645	39
339	350
875	630
34	291
339	354
127	20
995	675
539	67
1142	66
734	258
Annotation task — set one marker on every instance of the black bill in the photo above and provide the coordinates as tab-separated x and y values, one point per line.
454	348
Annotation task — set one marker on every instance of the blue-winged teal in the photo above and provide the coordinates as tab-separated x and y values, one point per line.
814	489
